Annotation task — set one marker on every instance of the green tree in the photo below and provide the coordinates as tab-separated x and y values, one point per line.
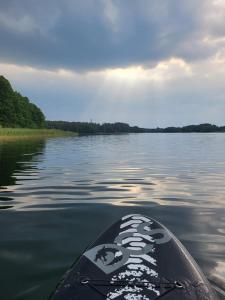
16	110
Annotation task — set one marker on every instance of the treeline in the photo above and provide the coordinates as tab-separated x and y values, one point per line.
206	127
93	128
110	128
16	110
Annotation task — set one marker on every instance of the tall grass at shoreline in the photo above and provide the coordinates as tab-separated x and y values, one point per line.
14	133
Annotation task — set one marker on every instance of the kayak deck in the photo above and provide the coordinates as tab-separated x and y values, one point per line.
137	258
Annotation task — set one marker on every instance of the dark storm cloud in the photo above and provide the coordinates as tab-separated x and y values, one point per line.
90	34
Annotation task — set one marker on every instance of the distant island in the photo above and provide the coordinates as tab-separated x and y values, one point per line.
20	117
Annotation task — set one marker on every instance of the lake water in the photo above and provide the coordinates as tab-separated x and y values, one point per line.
57	195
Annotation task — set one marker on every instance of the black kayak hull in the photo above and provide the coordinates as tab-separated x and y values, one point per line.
137	258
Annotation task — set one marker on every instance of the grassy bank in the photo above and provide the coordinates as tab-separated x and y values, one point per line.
25	133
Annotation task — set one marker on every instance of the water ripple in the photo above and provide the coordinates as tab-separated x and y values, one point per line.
52	191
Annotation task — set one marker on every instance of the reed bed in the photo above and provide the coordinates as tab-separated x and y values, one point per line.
14	133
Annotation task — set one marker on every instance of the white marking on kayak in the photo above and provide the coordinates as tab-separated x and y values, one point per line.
128	216
118	254
135	293
128	230
134	248
142	218
130	223
134	260
136	266
147	228
131	239
147	237
141	244
143	268
148	258
128	273
135	225
119	292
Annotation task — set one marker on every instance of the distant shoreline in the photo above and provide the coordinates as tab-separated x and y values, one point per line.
90	128
68	129
201	128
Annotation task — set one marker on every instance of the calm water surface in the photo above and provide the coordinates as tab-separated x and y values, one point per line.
57	195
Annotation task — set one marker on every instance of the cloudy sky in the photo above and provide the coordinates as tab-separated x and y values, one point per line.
146	62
